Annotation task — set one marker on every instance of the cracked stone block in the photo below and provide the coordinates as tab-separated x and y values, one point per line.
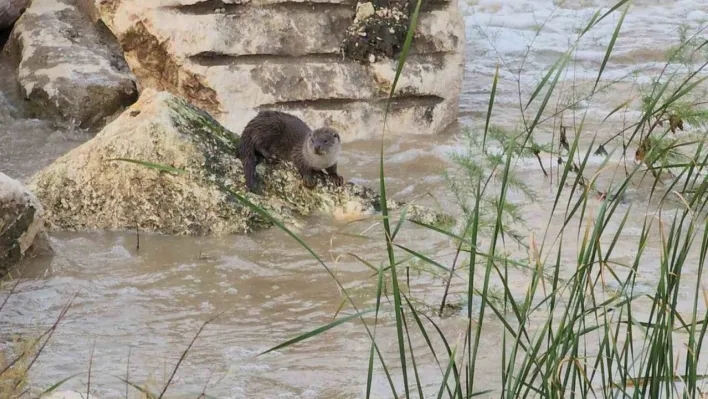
236	57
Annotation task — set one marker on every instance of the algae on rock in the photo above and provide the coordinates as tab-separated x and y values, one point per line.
378	31
91	188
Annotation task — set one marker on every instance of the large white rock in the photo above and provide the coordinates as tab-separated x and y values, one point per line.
10	10
22	232
234	57
69	69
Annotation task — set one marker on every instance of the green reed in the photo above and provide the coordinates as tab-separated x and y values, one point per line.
573	336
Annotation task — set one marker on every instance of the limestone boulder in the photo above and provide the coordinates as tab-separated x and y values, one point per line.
10	10
69	68
96	186
235	57
22	228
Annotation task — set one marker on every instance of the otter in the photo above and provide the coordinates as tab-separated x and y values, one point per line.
274	136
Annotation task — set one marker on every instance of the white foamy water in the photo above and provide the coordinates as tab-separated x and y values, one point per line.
501	31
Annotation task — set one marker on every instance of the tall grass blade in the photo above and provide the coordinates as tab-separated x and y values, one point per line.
543	82
384	204
144	391
316	331
49	333
610	47
616	110
491	106
447	372
596	21
9	294
57	385
562	63
426	337
401	219
488	267
370	372
415	367
184	354
424	258
422	329
151	165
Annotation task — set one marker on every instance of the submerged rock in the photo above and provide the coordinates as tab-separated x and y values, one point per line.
22	232
69	68
10	10
89	189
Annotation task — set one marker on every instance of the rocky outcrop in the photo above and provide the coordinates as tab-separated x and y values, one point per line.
235	57
22	232
69	68
10	10
88	188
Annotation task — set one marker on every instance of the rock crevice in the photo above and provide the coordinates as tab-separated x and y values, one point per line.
10	11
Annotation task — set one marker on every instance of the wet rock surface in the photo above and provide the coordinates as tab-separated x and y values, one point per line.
233	58
89	189
69	69
10	10
22	232
7	109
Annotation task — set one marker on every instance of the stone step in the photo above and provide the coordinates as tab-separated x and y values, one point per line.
287	29
270	80
234	57
347	96
284	28
362	119
207	5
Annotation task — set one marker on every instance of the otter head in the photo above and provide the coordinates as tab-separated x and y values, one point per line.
323	147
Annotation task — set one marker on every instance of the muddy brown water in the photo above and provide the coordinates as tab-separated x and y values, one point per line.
143	306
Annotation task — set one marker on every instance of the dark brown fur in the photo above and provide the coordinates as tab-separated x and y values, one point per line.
275	135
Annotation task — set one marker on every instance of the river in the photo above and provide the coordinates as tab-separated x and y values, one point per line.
145	305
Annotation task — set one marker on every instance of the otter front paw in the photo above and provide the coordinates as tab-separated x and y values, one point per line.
338	180
273	161
255	189
309	181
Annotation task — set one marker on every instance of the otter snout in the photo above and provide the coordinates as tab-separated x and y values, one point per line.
324	142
